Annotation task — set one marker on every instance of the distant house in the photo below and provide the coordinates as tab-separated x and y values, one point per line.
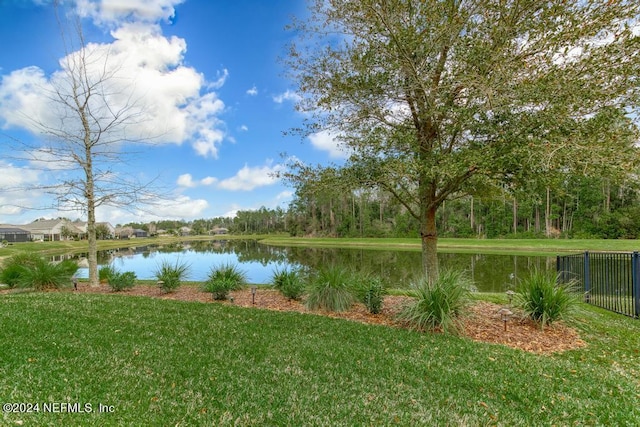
12	234
219	230
185	231
130	232
81	225
51	229
139	233
124	232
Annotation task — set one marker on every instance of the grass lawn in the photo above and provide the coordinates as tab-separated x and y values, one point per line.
162	362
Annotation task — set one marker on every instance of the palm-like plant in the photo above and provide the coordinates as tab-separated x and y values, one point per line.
43	275
543	299
438	304
223	279
170	276
331	289
289	282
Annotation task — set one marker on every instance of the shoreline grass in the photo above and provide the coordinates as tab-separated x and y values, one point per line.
535	247
531	247
162	362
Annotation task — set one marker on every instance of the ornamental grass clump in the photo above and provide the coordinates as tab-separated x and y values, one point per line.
331	289
437	305
223	279
170	276
13	267
290	283
543	299
42	275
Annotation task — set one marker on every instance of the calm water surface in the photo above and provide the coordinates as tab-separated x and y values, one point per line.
491	273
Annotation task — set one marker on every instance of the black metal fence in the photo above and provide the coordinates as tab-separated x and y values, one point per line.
609	280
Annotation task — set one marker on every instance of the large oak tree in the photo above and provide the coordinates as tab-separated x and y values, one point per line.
437	98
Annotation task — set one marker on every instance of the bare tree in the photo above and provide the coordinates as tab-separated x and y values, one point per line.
92	115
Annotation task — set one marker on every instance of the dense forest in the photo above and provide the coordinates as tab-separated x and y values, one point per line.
576	208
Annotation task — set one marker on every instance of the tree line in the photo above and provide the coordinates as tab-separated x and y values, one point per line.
578	207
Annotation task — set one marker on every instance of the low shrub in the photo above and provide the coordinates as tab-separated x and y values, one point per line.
290	283
220	287
14	266
119	281
544	300
105	272
331	289
371	292
170	276
43	275
438	304
223	279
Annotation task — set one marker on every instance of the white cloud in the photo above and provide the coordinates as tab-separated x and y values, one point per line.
253	91
14	196
208	180
219	82
186	180
249	178
21	99
244	128
182	207
13	176
110	12
327	141
287	96
233	212
284	195
170	102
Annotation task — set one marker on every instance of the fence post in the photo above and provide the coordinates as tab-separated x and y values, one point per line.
635	277
587	278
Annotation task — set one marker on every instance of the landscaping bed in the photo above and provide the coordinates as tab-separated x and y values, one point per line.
481	323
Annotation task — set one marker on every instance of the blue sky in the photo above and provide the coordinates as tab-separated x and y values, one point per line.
210	71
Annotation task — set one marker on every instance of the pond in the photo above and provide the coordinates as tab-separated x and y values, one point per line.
490	273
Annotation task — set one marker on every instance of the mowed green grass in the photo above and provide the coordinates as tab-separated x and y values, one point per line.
162	362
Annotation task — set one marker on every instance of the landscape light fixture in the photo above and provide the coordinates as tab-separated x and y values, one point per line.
254	289
510	295
505	315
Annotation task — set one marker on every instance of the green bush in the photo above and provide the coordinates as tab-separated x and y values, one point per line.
223	279
105	272
13	267
119	281
290	283
330	289
46	275
220	287
544	300
371	292
170	276
439	304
